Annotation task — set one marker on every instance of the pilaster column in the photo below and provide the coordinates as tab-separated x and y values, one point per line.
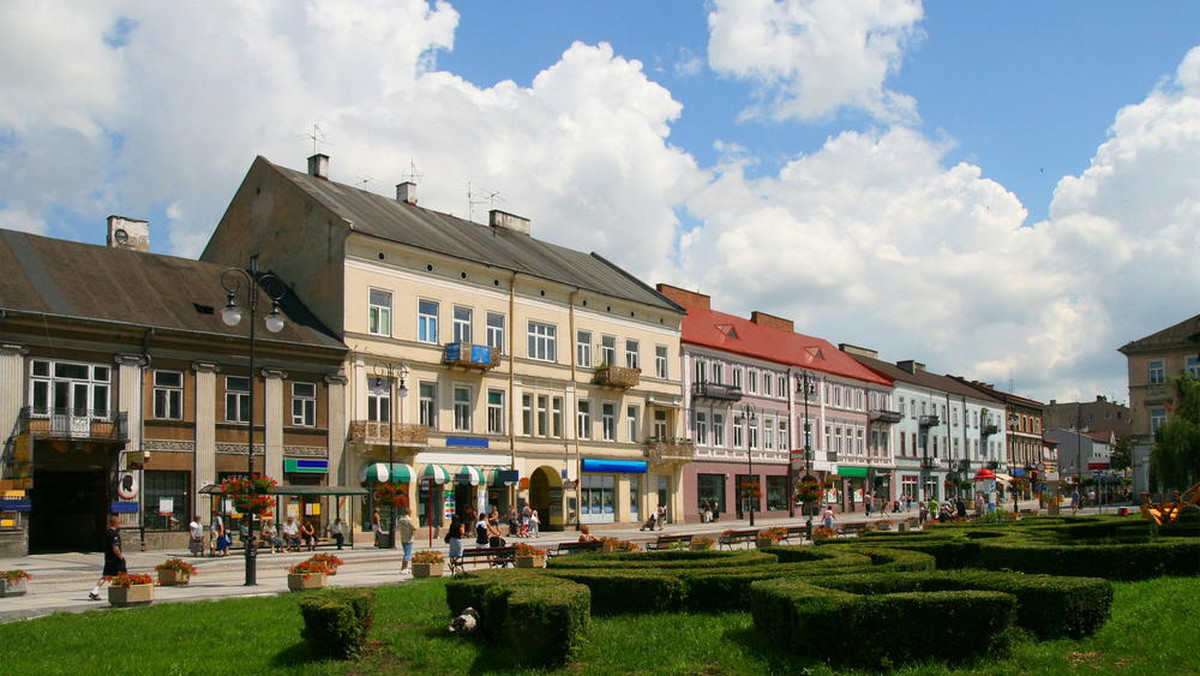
205	398
273	422
337	427
129	398
12	388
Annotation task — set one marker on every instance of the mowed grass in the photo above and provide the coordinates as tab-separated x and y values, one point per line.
1155	629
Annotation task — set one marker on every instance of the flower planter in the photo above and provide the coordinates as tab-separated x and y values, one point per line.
173	578
608	547
133	595
13	587
700	546
427	569
764	542
534	561
303	581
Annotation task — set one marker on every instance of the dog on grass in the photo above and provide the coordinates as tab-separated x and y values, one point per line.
465	623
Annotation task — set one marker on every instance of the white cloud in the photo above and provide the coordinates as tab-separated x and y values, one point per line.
811	58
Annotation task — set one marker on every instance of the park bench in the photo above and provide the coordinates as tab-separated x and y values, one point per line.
733	537
493	556
799	532
575	548
669	542
851	530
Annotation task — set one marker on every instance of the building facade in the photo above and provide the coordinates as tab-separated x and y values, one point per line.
1100	415
1151	361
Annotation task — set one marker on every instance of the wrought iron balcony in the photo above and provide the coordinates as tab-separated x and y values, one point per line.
670	449
471	356
831	456
375	432
930	463
963	465
928	421
988	430
617	376
75	424
890	417
993	464
706	390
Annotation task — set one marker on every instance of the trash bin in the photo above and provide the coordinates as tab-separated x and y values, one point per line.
384	541
1122	511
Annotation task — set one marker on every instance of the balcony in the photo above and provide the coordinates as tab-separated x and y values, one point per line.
705	390
670	449
963	465
831	456
928	421
616	376
993	464
988	430
889	417
929	463
74	424
471	356
376	433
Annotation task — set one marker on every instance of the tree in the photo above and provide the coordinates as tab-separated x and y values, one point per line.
1175	458
1122	453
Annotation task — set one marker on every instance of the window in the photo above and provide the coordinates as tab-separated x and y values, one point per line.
237	399
379	312
304	404
768	434
954	416
608	421
379	400
542	341
1158	418
718	429
462	324
785	441
1193	366
766	384
608	350
1158	372
427	321
159	486
632	358
495	412
427	405
78	390
777	493
462	408
701	428
700	372
527	414
752	381
495	331
631	423
738	434
753	426
781	382
583	348
556	417
737	377
543	415
718	372
660	361
168	395
584	419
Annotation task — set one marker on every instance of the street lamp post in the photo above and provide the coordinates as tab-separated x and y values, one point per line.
234	281
751	499
806	387
388	373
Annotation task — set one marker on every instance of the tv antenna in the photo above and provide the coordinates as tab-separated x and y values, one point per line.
474	199
362	182
316	136
413	176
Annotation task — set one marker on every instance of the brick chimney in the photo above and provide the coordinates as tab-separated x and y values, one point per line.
684	297
318	165
128	233
406	192
912	366
507	221
772	321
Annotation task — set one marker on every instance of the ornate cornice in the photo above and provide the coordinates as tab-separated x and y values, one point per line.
169	445
206	367
12	349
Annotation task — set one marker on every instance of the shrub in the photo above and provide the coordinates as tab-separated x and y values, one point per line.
633	591
703	542
428	556
664	560
337	622
1113	562
178	565
14	575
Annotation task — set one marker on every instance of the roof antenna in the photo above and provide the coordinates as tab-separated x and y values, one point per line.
316	136
413	176
362	182
474	199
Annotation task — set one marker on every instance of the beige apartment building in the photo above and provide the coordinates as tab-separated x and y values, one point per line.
486	368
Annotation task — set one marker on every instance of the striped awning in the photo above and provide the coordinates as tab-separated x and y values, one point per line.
439	474
496	476
379	472
470	475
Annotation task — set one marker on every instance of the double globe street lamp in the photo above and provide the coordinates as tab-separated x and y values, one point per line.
386	376
235	281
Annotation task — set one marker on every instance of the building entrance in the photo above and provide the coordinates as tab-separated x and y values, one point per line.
69	509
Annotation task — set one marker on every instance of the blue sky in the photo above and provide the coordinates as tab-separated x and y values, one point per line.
1002	190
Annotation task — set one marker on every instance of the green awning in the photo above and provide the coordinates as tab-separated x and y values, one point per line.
379	472
472	476
436	473
852	472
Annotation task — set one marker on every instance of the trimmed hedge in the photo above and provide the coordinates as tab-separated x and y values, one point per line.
679	559
538	619
636	591
337	622
1113	562
839	626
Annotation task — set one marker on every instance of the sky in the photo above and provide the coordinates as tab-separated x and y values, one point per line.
1007	191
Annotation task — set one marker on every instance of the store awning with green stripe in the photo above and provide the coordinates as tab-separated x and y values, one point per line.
470	475
496	477
439	474
379	472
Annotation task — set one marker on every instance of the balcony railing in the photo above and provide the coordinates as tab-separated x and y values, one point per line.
374	432
617	376
706	390
471	356
929	463
890	417
670	449
831	456
988	430
993	464
928	421
77	424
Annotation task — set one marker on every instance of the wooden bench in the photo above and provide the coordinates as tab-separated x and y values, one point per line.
669	542
851	530
575	548
493	556
731	538
796	533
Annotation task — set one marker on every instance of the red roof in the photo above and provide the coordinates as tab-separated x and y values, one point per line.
729	333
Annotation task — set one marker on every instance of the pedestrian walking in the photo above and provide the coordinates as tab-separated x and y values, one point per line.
114	557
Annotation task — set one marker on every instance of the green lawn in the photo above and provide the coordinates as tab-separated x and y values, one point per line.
1155	630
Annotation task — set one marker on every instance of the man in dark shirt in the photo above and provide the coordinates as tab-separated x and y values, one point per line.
114	558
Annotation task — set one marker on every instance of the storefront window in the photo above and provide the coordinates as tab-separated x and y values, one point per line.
598	498
166	500
777	493
711	487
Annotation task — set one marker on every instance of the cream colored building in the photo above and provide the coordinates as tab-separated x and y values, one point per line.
511	370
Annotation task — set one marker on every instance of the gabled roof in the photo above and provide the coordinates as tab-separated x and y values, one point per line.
932	381
729	333
57	277
1006	397
415	226
1184	334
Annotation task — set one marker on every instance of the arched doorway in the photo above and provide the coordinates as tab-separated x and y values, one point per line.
546	496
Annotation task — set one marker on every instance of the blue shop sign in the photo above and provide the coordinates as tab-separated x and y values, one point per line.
123	508
16	505
467	442
615	466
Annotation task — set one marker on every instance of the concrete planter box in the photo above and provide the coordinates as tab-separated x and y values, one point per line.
536	561
302	582
427	569
13	587
700	546
764	542
133	595
173	578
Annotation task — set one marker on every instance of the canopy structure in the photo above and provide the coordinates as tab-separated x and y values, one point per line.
500	476
1004	478
381	472
470	475
985	475
436	473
